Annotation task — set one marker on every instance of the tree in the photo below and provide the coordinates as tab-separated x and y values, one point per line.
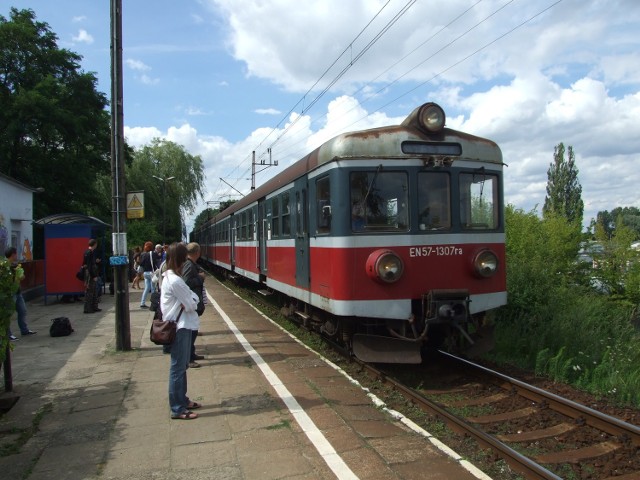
209	213
54	129
617	265
564	192
164	159
619	216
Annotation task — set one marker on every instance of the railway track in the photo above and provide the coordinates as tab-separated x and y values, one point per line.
538	434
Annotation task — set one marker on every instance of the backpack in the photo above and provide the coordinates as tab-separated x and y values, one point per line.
60	327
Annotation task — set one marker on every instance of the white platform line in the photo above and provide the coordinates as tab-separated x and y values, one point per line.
472	469
324	448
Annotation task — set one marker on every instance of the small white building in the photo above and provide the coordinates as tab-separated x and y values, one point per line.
16	216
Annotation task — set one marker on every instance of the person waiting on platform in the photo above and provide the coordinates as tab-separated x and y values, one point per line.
178	303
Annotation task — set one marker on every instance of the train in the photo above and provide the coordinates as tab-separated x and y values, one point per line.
387	241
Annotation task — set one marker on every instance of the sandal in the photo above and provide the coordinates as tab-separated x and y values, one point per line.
194	405
186	415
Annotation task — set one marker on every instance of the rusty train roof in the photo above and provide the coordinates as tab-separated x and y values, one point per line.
357	145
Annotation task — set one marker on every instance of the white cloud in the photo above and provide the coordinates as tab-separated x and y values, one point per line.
140	136
82	37
267	111
570	74
137	65
147	80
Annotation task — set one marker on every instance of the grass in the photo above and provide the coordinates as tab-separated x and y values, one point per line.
577	337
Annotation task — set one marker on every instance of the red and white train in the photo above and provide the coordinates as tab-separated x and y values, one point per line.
385	240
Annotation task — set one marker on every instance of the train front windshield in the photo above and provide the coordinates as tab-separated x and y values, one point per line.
380	201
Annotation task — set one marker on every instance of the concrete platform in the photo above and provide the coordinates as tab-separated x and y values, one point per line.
272	409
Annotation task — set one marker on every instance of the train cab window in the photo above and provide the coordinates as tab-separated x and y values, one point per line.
479	203
323	206
434	201
286	215
379	201
275	218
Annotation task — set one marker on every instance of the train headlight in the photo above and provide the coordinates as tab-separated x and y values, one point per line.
486	263
431	117
385	266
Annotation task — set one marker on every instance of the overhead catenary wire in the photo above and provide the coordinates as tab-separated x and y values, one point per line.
451	22
301	100
453	65
441	72
352	62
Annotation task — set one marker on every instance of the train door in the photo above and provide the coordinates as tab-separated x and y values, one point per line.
262	228
232	241
301	215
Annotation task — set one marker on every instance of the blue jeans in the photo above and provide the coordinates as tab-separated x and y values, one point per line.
21	308
180	353
148	287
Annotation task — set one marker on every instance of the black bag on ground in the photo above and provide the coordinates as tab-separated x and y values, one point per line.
60	327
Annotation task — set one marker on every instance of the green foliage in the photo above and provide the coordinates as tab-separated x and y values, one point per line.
54	129
538	255
141	230
619	216
209	213
559	325
564	192
9	283
617	264
163	199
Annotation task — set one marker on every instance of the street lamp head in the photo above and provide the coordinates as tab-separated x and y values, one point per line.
166	179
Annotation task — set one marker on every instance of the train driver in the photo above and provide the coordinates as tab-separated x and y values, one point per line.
357	215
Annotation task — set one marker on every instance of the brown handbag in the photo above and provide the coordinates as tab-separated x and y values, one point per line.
163	332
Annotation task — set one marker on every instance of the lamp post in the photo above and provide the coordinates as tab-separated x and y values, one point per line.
164	204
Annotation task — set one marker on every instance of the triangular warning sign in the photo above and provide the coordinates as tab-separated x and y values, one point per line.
135	202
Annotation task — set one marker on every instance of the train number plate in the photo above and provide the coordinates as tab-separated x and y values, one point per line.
435	250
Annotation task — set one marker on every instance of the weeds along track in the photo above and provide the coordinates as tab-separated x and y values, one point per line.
537	433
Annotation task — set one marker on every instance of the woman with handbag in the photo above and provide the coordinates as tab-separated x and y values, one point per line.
178	302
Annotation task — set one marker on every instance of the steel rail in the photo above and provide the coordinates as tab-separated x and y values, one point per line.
518	462
614	426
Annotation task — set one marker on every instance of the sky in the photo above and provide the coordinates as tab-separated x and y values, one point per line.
224	78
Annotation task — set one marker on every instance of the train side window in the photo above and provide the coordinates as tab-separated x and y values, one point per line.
434	201
479	201
286	215
275	218
323	202
251	225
